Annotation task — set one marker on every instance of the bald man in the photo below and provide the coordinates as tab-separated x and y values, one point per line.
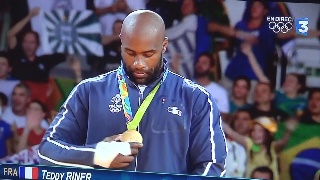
179	121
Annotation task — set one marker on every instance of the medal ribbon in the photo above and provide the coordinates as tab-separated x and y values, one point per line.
133	122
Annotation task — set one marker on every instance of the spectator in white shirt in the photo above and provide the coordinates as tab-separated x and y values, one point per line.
16	114
203	68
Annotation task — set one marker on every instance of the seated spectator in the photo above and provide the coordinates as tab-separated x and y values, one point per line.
183	38
241	122
20	100
16	114
111	10
112	48
262	172
7	83
312	114
5	131
203	69
263	103
239	96
112	52
27	66
289	98
32	133
261	149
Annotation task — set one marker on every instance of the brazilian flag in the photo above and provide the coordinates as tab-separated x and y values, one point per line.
305	137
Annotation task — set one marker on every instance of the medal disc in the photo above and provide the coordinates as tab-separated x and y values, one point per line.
131	136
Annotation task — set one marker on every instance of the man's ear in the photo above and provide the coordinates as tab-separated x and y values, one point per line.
165	44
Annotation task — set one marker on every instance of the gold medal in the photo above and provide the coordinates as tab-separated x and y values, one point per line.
131	136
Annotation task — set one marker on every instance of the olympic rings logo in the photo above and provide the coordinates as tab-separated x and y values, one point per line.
280	26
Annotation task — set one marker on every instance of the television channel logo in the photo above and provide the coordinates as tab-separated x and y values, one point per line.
280	24
302	26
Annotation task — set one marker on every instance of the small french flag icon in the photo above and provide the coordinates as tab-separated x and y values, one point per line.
28	172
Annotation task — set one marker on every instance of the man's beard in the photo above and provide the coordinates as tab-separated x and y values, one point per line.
198	74
152	74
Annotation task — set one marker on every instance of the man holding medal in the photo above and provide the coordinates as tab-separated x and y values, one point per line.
139	117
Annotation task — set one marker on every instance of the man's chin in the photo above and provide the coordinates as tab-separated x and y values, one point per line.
140	81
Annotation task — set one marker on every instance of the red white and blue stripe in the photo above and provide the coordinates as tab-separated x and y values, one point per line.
28	172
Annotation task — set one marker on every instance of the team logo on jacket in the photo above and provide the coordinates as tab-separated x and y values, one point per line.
174	110
115	106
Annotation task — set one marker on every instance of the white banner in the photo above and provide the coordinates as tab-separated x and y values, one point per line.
66	10
50	5
73	32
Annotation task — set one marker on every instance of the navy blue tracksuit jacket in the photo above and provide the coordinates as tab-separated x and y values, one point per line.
181	129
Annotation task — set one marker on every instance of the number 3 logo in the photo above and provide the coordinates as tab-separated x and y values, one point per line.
302	26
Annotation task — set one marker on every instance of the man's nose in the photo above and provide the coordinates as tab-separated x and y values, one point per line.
139	62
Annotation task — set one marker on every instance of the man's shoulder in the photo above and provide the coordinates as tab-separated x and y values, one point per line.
185	83
8	116
174	76
9	82
103	78
216	88
7	111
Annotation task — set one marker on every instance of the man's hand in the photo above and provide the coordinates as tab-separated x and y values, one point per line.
33	119
34	11
291	124
121	161
112	138
135	147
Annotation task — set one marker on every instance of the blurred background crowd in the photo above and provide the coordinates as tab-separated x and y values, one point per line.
266	84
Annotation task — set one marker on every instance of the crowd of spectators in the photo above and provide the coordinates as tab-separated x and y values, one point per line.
250	106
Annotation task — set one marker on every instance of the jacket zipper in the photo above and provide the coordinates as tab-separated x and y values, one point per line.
136	166
140	97
140	100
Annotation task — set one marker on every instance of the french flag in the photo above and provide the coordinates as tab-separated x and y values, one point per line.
28	172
